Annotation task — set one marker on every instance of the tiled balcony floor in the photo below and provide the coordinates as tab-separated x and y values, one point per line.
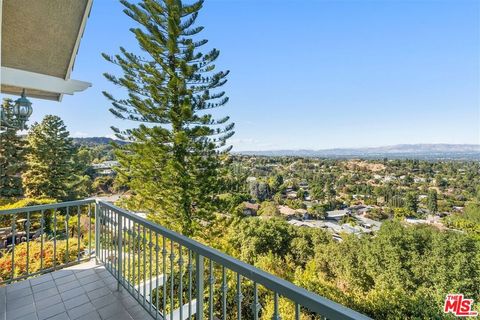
86	291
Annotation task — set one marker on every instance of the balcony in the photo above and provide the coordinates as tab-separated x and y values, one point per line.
91	260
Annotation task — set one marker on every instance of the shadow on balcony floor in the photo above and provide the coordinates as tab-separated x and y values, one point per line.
86	291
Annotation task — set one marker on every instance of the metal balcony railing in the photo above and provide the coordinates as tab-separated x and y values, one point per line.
171	276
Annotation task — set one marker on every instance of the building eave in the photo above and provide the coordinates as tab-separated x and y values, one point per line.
40	41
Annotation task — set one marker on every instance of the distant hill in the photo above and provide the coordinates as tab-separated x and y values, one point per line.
401	151
94	141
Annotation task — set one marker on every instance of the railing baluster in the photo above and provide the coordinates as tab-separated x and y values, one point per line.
164	269
78	235
97	233
130	252
180	286
200	285
134	251
89	231
103	235
27	225
14	237
139	276
116	253
275	307
125	249
144	241
111	243
224	293
157	248
297	311
172	279
54	239
190	284
150	245
110	238
120	249
239	296
67	217
255	304
211	281
42	226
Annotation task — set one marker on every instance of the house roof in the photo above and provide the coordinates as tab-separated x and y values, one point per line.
39	43
337	213
286	210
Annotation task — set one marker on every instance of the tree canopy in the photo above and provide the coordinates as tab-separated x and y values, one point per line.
51	170
12	157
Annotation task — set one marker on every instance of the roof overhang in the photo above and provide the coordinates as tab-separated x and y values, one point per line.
39	43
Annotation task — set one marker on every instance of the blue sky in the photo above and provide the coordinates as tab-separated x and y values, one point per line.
314	74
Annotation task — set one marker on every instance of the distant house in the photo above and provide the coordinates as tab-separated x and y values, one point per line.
286	211
105	165
359	209
349	229
298	223
368	223
250	209
337	214
105	168
308	223
334	228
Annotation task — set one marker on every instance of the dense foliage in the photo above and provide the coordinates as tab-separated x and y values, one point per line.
52	171
403	272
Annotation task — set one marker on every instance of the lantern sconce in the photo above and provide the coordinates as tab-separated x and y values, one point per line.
20	112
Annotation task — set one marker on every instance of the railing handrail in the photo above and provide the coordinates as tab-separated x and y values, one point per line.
48	206
310	300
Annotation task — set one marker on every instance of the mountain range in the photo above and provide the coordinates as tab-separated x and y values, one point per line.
414	151
399	151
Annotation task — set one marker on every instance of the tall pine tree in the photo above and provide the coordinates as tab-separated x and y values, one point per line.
50	161
12	156
173	161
